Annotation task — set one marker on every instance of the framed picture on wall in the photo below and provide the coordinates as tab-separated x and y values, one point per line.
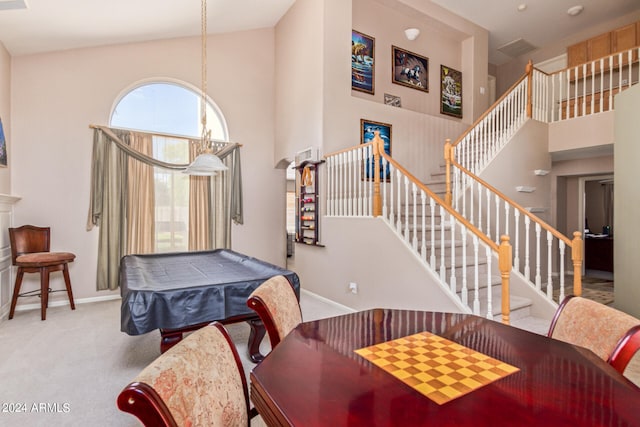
409	69
368	131
3	147
363	67
450	91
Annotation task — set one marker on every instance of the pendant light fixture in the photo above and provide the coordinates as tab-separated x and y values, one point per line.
206	163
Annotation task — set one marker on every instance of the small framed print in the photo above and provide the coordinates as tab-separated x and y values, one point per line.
392	100
362	62
450	91
410	69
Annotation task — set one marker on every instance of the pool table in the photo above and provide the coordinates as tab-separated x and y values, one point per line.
183	291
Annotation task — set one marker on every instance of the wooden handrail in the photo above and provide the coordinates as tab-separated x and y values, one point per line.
534	218
449	209
346	150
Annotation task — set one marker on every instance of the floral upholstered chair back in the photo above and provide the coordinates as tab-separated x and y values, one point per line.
276	303
200	381
600	328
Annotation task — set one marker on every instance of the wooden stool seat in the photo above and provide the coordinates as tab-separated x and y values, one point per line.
44	259
30	254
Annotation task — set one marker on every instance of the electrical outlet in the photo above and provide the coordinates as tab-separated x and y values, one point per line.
353	287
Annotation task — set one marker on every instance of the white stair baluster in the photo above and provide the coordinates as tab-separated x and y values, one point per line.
549	265
527	256
561	248
538	244
414	196
476	279
443	221
489	292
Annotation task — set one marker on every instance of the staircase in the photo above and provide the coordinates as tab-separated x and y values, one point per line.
456	223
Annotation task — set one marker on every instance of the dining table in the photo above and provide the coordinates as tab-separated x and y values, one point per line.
394	367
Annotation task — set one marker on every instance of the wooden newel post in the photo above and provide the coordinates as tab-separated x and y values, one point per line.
378	145
529	71
576	256
504	263
448	156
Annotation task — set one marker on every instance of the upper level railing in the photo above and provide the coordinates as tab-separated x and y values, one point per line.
364	181
585	89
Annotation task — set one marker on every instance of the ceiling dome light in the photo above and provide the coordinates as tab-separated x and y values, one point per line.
411	33
575	10
522	7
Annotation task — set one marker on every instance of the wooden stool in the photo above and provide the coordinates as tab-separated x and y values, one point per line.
30	252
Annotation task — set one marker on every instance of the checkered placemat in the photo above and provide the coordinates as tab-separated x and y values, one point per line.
440	369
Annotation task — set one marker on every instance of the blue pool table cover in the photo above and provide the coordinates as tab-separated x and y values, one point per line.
176	290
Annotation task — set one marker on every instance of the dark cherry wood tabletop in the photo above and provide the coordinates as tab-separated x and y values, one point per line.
314	378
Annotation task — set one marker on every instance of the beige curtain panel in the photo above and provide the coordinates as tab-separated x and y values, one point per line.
122	199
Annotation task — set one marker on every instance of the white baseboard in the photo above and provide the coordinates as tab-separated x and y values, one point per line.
328	301
59	303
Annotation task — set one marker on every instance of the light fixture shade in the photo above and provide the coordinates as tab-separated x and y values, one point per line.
411	33
205	164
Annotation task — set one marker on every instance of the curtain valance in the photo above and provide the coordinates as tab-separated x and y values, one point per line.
111	184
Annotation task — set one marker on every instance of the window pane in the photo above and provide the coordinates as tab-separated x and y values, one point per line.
168	108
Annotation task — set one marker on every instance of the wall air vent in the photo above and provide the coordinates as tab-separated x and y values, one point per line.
516	48
12	4
308	155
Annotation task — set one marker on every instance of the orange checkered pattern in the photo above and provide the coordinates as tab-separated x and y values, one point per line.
440	369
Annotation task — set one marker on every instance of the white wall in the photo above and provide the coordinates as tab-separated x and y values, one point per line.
368	253
526	152
626	203
5	116
583	132
56	96
299	82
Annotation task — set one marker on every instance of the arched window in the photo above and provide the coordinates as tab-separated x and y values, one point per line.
165	109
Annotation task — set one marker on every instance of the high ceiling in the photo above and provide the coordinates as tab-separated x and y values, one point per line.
49	25
541	21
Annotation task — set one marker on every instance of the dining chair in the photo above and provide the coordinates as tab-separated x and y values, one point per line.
277	305
612	335
198	382
30	252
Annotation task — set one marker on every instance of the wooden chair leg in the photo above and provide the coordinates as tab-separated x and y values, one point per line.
16	291
67	281
44	292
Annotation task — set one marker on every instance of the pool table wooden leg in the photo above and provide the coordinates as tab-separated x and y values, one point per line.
169	338
255	338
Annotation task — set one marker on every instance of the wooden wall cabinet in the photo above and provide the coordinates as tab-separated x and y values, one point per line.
307	203
625	38
620	39
577	54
